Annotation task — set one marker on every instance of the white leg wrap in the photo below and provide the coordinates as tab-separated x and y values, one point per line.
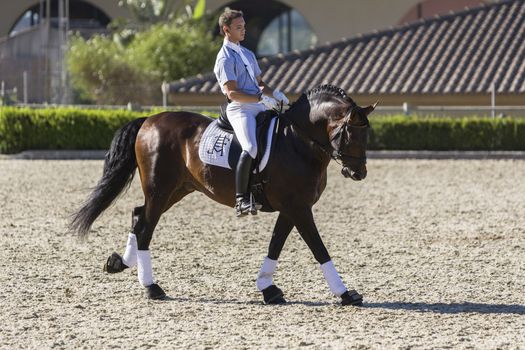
145	271
130	256
265	275
332	278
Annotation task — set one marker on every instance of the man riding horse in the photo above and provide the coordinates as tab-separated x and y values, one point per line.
239	77
323	124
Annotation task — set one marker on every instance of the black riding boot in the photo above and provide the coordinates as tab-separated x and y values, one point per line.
243	204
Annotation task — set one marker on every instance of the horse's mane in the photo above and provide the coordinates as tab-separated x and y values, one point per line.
330	90
319	92
317	95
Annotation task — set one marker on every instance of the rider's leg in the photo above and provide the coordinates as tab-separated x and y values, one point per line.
242	118
242	182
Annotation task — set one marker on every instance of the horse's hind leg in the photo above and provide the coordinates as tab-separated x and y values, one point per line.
271	293
143	230
117	263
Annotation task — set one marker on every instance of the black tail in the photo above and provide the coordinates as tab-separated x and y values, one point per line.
119	168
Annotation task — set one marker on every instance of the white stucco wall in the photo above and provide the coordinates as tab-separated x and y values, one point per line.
331	20
10	11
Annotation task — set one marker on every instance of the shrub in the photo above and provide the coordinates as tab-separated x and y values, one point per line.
131	67
440	134
59	128
71	128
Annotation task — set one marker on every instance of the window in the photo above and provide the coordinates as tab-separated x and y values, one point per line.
287	32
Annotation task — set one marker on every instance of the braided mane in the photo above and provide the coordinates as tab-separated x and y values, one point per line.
328	89
319	91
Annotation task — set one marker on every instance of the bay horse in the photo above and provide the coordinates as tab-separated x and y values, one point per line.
323	124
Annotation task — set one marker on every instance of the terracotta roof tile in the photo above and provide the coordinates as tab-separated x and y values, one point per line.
463	52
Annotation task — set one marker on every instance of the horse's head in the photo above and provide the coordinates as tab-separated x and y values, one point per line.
348	137
340	126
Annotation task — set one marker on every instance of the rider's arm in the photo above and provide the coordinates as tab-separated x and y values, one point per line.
235	95
266	90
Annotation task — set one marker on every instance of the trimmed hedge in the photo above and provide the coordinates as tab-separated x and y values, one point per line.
59	128
442	134
70	128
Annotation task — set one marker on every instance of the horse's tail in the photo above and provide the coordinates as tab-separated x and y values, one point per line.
119	168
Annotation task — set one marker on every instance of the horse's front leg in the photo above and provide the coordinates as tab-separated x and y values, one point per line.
271	293
304	221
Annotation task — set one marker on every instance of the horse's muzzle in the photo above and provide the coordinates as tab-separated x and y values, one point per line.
354	175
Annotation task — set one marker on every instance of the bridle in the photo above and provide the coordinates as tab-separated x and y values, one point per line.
334	152
340	135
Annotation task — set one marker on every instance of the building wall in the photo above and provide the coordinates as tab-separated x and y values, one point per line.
346	18
332	20
10	11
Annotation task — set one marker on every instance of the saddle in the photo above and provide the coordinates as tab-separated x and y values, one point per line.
257	179
263	123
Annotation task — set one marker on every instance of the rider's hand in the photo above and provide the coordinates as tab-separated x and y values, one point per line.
269	102
281	97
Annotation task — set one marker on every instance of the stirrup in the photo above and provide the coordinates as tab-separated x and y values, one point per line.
244	207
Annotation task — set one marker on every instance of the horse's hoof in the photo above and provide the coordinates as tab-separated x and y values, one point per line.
352	298
273	295
155	292
114	264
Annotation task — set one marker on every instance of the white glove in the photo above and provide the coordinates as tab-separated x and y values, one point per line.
281	97
269	102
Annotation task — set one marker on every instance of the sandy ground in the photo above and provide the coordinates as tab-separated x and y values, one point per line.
436	247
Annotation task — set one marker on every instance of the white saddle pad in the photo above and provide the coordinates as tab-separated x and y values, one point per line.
215	145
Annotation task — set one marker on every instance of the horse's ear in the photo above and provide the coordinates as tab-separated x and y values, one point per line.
370	109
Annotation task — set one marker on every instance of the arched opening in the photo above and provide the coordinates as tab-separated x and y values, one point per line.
287	32
272	27
82	15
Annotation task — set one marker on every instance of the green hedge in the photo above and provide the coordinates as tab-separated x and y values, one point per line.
441	134
69	128
59	128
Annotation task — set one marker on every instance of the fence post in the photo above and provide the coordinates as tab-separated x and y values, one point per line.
493	100
165	87
2	93
406	108
25	87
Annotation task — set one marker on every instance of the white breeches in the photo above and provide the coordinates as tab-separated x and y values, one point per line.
242	118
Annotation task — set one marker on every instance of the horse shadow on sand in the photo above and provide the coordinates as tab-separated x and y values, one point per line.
241	302
451	308
440	308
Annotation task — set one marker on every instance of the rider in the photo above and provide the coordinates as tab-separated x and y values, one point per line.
239	77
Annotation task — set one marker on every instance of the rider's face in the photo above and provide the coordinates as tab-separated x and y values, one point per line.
236	30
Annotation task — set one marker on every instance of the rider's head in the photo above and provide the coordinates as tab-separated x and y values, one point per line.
231	25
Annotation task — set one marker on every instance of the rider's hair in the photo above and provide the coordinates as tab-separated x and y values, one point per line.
227	17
